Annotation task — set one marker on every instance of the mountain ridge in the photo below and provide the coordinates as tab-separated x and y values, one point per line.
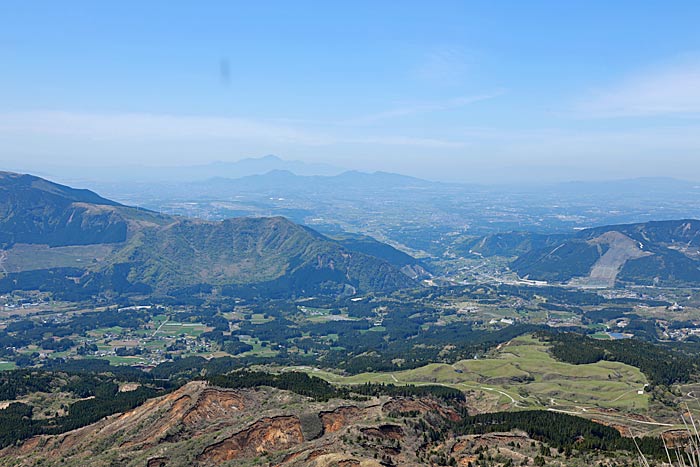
188	173
145	251
647	253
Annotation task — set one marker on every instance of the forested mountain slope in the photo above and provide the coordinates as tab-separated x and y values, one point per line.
73	242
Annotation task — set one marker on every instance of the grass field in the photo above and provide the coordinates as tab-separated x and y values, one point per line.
522	374
175	329
259	318
25	257
258	349
100	332
117	360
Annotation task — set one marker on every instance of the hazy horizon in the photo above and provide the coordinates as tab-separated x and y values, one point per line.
143	173
452	92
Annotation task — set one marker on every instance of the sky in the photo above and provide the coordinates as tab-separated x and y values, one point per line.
445	90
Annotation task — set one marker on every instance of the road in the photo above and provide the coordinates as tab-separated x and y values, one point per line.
3	257
486	388
631	420
161	325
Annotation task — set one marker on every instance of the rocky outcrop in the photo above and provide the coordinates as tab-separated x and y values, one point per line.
336	419
190	411
421	406
384	432
266	435
202	425
214	404
157	462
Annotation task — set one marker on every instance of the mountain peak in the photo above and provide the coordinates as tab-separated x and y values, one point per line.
271	157
11	184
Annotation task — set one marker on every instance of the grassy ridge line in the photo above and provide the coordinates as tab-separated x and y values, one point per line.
523	375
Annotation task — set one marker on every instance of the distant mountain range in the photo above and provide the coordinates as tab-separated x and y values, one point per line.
59	238
75	242
377	204
285	180
650	253
190	173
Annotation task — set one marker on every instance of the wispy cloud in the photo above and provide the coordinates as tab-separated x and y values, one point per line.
145	126
444	65
453	153
421	108
406	141
663	91
36	126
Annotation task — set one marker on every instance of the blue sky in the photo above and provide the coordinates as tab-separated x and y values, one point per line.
475	91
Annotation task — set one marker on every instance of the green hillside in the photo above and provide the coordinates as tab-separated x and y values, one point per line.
74	242
651	253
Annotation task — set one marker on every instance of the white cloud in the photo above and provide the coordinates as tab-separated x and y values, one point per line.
665	91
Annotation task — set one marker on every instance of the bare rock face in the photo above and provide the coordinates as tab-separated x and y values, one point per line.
189	413
403	405
193	410
268	434
336	419
201	425
212	405
157	462
384	432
